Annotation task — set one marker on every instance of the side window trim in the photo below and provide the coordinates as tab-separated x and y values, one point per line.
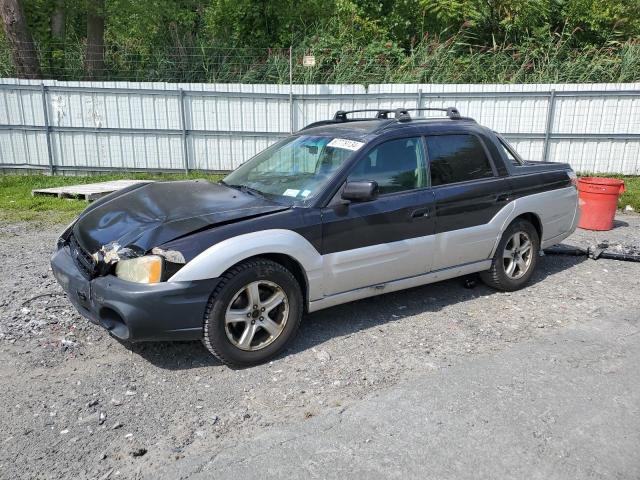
511	150
494	170
427	160
492	162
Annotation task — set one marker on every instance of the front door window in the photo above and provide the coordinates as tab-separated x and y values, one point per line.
397	166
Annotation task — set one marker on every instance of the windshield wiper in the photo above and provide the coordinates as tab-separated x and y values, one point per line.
244	188
254	191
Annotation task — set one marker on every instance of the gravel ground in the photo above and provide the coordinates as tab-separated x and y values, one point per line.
79	403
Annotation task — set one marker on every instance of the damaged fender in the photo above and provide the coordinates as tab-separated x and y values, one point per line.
218	258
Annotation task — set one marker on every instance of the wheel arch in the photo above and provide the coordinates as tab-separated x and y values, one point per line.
533	219
529	216
294	267
286	247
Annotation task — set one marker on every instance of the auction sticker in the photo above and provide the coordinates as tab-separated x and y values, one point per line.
291	192
346	144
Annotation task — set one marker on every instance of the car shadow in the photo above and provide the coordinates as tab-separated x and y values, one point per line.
350	318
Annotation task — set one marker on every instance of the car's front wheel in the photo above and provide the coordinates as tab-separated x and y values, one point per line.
515	259
253	313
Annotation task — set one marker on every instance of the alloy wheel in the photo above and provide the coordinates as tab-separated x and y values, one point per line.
257	315
517	256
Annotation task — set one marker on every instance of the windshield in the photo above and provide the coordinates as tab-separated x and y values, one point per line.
294	169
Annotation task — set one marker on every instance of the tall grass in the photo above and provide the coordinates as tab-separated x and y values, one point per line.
434	60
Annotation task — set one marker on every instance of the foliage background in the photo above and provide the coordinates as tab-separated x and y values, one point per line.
354	41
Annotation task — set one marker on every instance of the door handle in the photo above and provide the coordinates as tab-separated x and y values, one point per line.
420	212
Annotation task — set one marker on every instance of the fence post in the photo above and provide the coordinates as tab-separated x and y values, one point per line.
419	102
183	125
47	128
291	89
548	129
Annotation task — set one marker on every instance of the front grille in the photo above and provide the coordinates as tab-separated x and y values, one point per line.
83	259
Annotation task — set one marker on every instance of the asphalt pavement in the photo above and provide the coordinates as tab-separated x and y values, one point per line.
560	406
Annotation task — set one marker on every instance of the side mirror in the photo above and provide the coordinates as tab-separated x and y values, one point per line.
360	191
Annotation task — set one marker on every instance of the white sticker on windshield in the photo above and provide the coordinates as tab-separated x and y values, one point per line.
305	193
346	144
290	192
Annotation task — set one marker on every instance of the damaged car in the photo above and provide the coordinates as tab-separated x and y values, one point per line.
342	210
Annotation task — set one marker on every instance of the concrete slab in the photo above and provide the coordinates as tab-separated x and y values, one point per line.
87	191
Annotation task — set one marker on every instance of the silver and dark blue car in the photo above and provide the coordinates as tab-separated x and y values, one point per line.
344	209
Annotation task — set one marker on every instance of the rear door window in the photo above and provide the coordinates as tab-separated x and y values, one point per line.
457	158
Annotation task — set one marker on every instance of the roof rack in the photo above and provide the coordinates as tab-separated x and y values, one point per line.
452	112
341	115
399	114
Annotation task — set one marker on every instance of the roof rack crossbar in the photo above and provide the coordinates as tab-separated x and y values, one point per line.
452	112
341	115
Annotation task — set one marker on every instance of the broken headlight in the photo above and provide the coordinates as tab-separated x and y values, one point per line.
63	237
147	269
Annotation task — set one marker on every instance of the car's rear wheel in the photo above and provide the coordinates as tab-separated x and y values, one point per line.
253	313
515	258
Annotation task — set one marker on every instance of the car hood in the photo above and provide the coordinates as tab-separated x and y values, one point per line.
148	215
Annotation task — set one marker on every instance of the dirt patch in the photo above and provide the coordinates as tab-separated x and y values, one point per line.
78	403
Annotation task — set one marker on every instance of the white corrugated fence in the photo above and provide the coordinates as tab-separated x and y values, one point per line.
93	126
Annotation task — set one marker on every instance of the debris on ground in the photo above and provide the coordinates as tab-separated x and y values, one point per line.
611	251
340	356
138	452
469	282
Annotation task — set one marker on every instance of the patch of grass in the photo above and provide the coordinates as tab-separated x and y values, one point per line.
631	196
17	204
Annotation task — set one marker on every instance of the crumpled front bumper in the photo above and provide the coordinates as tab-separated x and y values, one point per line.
135	311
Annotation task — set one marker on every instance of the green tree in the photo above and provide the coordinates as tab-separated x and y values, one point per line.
265	23
19	38
353	40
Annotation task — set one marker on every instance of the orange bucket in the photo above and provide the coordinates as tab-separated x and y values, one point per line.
598	202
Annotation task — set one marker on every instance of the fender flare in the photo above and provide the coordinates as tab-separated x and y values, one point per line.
218	258
512	216
545	206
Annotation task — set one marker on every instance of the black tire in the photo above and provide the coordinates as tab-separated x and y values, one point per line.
497	276
216	338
